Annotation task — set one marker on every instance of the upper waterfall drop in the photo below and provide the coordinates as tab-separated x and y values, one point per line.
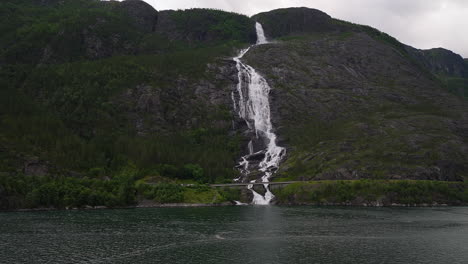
254	107
261	39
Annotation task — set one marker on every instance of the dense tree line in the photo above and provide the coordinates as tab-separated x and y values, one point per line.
126	188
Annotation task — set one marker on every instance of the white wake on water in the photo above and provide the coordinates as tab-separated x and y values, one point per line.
254	107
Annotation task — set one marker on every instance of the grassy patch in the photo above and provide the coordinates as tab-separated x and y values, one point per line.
203	195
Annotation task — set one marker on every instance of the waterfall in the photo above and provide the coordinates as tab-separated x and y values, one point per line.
254	107
261	39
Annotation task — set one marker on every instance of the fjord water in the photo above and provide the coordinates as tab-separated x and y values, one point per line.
254	107
243	234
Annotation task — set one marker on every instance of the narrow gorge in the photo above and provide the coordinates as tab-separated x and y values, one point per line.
253	106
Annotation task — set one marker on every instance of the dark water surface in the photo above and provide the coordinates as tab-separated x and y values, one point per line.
237	235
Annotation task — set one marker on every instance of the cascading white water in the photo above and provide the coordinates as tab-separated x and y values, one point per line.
254	107
261	39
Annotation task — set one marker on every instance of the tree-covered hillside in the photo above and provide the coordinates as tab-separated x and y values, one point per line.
100	98
99	89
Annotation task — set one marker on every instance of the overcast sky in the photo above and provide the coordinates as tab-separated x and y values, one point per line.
423	24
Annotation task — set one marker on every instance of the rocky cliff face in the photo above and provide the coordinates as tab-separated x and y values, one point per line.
349	105
450	68
441	62
186	104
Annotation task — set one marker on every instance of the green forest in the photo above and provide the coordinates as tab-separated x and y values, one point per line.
58	102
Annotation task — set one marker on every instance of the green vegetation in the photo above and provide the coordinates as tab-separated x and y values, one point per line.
374	192
71	113
175	193
125	189
323	148
371	135
116	113
456	85
66	69
60	192
450	69
384	37
293	21
74	123
33	32
214	26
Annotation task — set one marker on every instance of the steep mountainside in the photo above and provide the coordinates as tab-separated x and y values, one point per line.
449	67
86	92
98	98
64	31
93	86
346	112
441	62
351	105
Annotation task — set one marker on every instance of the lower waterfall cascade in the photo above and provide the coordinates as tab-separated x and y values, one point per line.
253	107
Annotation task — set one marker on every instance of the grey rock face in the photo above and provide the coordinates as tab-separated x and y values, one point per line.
351	107
441	61
144	15
183	103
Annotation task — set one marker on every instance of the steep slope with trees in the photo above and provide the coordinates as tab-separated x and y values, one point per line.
99	98
95	90
352	103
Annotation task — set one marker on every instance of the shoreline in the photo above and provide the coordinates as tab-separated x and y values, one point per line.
188	205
